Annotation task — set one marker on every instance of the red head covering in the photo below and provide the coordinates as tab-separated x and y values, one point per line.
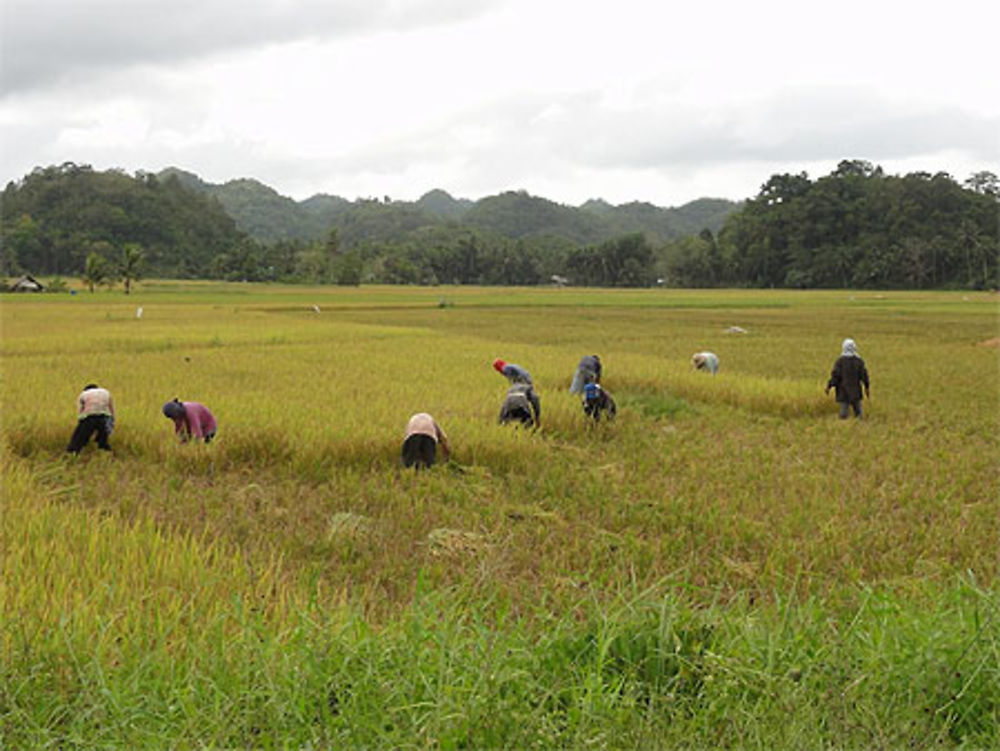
499	365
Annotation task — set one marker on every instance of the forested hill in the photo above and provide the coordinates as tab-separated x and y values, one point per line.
261	212
268	216
56	216
856	227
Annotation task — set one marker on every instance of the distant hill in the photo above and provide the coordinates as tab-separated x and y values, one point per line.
267	216
440	203
325	205
518	214
188	179
703	213
856	227
54	217
261	211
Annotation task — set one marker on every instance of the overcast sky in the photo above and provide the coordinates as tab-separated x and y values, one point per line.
624	100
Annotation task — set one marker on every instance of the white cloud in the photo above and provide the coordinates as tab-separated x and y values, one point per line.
570	100
46	40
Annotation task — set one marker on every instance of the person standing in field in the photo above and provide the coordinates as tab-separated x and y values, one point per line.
192	420
847	377
587	371
597	401
510	371
95	412
707	361
423	436
522	405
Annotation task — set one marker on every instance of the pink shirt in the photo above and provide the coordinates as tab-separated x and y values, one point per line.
197	422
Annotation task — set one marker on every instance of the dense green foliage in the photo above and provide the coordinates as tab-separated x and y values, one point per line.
268	217
856	227
55	217
264	214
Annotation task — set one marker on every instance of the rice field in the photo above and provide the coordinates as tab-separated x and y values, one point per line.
725	565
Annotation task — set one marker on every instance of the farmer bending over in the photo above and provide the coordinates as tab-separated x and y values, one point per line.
513	373
191	420
95	411
423	435
707	361
597	402
588	371
523	405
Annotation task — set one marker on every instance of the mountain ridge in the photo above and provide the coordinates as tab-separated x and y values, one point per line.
268	216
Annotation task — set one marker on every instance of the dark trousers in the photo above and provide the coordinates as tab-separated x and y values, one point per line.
86	428
419	451
517	414
856	406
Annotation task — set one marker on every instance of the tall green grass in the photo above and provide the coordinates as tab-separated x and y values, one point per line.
918	669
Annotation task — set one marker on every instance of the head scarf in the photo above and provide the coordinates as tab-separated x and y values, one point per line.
499	365
591	391
174	410
849	348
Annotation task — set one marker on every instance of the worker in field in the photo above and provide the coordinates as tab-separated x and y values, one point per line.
192	420
522	405
587	371
848	377
423	436
705	361
598	402
95	414
510	371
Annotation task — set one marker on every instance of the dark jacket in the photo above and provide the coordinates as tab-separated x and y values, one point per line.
523	404
600	402
846	377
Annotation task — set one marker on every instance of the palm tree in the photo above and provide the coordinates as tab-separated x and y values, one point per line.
130	267
95	271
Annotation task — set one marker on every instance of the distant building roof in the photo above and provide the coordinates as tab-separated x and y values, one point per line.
27	283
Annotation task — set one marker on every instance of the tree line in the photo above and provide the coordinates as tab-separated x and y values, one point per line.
856	227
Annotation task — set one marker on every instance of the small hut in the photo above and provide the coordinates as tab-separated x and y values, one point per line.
27	283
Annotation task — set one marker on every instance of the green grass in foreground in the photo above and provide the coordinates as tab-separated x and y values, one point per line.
646	673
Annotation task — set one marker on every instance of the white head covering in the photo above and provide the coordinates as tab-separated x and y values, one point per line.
849	348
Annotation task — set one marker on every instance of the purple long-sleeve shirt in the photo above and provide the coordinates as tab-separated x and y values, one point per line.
197	422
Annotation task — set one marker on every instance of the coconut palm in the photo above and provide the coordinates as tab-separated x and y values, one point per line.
130	266
95	270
